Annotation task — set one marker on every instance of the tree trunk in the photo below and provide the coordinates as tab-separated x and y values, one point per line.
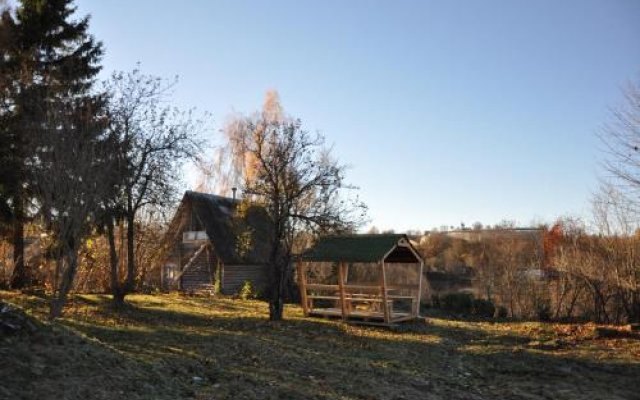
276	308
20	277
118	297
276	299
572	303
121	291
131	261
275	278
116	290
57	304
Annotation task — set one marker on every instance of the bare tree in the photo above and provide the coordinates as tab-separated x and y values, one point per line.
617	204
70	171
621	137
290	173
618	222
153	141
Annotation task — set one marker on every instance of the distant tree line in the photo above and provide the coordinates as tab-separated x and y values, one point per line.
565	272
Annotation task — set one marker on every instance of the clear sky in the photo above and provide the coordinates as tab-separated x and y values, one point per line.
447	111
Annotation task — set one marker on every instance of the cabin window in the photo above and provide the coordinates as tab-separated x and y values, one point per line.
170	272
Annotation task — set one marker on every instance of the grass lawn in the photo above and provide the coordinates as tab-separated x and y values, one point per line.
175	347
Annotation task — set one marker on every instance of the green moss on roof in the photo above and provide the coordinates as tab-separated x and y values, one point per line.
224	226
352	248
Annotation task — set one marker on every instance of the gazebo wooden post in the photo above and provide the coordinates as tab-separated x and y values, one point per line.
419	289
346	274
385	309
343	299
302	281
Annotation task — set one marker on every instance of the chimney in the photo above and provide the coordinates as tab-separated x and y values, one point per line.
234	190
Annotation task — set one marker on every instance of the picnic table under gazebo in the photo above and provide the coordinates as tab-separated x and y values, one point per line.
371	279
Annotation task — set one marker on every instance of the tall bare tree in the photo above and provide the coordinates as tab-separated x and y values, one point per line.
291	173
153	141
621	137
617	205
618	223
70	172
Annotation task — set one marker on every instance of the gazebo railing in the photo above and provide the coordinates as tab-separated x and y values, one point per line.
360	301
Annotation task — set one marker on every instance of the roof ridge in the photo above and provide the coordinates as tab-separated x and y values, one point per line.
353	247
210	195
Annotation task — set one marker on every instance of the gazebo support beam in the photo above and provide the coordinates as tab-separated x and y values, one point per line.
343	297
385	308
302	281
419	289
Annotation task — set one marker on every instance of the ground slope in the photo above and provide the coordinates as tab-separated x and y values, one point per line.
173	347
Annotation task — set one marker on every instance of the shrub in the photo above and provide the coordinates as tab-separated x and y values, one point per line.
543	312
483	308
259	293
435	301
246	291
459	303
147	288
217	283
501	312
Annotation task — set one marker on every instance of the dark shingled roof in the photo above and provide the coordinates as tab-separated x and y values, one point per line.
358	248
224	225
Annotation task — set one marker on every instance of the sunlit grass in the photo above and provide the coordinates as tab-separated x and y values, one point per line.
173	346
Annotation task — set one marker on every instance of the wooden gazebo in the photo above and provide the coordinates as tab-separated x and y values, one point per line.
371	279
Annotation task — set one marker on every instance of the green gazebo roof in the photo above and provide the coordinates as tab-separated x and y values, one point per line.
354	248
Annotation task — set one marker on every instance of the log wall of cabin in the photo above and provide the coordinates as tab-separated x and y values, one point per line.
180	253
200	273
234	276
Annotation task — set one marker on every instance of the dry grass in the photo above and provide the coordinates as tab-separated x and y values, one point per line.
173	347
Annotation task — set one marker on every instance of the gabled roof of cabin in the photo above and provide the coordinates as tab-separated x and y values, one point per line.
227	229
362	248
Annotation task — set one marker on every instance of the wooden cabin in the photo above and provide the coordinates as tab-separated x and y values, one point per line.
215	241
371	279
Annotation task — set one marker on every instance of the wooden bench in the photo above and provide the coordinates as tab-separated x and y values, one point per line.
322	297
312	297
370	303
361	302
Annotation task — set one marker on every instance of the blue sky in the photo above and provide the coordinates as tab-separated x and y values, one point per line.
447	112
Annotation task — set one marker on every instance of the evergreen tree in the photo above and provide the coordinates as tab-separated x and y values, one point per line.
49	61
5	209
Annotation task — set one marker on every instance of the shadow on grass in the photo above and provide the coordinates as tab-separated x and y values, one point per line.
324	352
250	357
